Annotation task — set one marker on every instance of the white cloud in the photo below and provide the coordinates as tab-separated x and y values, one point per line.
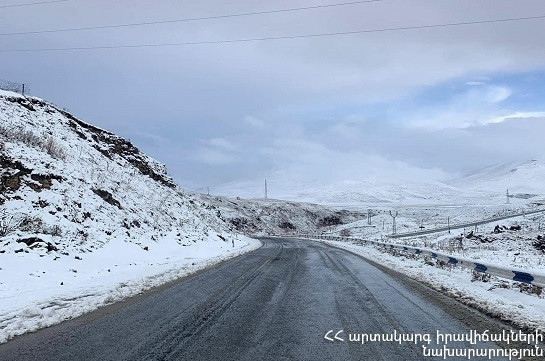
466	118
254	122
475	83
220	143
217	151
517	115
475	107
213	157
498	94
304	161
345	130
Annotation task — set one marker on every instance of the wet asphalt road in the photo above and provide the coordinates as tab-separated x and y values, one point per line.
276	303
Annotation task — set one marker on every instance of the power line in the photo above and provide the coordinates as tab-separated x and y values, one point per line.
147	23
32	4
243	40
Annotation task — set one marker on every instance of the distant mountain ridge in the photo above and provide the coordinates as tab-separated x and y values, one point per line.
522	177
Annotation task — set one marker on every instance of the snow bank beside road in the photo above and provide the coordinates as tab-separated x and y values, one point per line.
40	292
495	297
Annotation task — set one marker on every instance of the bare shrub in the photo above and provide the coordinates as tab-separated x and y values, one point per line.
53	149
530	289
31	224
526	288
9	223
56	231
479	276
21	136
29	138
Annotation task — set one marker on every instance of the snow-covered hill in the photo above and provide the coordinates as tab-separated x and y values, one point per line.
274	217
87	219
74	187
358	193
384	193
524	179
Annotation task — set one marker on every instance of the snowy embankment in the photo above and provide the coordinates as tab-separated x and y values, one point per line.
261	217
48	292
499	298
86	219
516	243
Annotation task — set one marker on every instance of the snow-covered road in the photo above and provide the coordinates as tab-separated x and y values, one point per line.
276	303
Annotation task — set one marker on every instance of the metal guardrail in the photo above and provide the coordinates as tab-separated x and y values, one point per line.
525	276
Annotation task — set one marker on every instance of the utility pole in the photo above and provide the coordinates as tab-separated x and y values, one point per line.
448	224
394	215
507	193
208	190
266	189
23	89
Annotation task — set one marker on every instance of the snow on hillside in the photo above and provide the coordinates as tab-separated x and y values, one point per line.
384	193
275	217
524	179
359	193
83	212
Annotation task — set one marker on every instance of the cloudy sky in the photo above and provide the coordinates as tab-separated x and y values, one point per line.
407	104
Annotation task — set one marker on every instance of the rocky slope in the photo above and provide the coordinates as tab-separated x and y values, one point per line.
263	217
69	187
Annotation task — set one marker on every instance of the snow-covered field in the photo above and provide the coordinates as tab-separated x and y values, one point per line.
516	242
